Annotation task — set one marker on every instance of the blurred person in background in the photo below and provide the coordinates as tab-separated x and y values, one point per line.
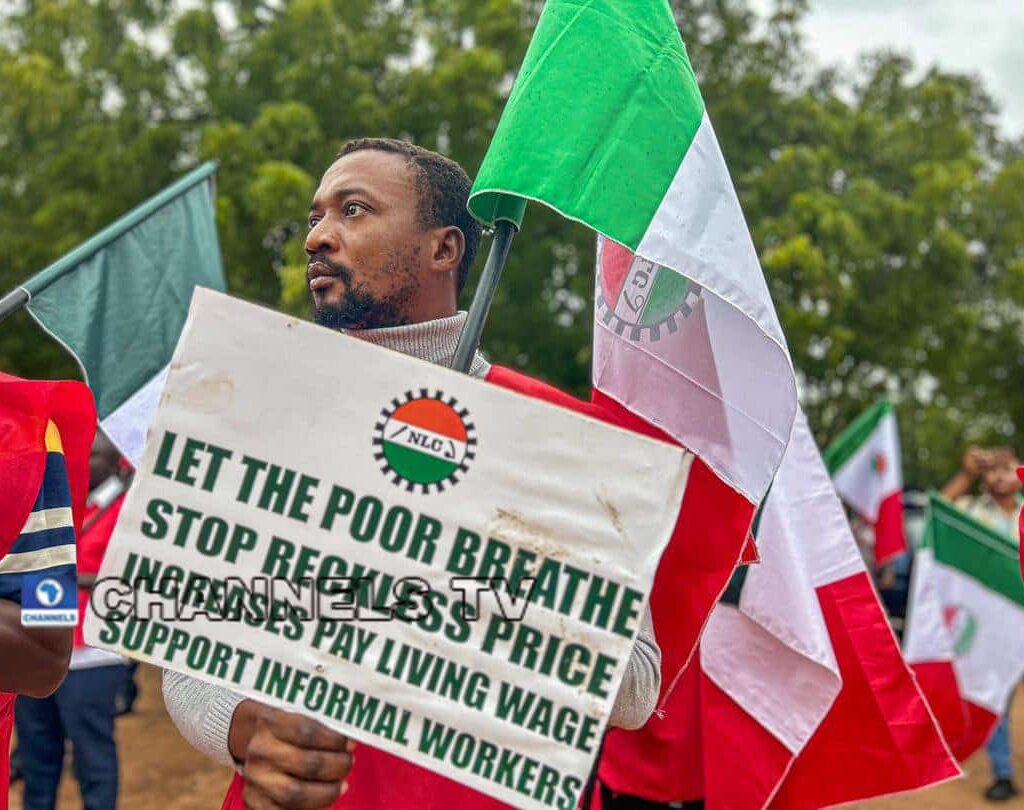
893	578
998	507
84	706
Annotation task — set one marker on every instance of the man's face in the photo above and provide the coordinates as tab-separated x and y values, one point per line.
1000	477
367	248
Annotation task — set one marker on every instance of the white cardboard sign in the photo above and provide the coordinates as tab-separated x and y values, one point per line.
428	563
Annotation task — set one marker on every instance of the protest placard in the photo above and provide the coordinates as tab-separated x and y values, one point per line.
432	565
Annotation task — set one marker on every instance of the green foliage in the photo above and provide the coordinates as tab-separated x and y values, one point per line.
888	211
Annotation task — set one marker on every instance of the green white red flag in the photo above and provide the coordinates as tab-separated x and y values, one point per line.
687	342
799	677
964	617
867	471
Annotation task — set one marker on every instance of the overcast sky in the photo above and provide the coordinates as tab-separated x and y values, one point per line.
984	37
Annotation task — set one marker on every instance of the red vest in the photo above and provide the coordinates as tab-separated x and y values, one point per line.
89	550
25	408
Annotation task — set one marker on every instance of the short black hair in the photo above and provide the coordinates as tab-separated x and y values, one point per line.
443	187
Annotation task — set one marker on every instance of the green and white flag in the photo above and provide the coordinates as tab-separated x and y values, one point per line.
866	468
118	301
964	623
606	125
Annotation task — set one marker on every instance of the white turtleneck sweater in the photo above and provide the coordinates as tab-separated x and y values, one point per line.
203	711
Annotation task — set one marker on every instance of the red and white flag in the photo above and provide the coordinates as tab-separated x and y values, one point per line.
799	678
868	475
687	343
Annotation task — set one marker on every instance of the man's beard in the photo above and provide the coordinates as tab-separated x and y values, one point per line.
358	308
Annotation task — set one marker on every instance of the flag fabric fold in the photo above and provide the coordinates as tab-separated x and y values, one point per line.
687	344
799	676
962	638
27	407
1020	475
867	471
118	301
686	335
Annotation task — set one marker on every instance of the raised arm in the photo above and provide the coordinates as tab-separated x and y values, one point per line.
962	482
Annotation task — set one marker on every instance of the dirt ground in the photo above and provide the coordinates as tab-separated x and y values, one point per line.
160	770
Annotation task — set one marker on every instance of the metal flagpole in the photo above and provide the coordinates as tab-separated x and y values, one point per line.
469	341
509	218
13	301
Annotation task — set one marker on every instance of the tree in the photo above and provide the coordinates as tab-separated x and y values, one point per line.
875	229
887	209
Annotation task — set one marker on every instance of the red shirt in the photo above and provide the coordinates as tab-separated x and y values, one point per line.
91	547
26	409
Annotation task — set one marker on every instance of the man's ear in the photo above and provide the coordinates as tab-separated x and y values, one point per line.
449	248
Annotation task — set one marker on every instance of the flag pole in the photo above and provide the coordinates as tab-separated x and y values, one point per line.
13	301
507	224
469	341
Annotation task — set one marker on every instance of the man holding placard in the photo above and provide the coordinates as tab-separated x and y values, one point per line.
390	246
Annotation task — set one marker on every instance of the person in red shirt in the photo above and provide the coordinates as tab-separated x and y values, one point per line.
83	708
45	431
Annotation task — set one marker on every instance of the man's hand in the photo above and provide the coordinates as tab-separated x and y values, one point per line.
290	760
974	461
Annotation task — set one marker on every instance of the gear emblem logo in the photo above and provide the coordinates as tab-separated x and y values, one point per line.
879	464
638	299
424	441
962	626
